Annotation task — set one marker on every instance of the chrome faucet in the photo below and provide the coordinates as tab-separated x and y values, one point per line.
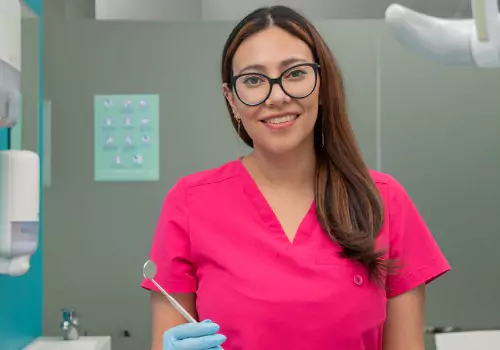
69	325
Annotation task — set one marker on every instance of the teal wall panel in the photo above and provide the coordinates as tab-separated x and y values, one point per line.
21	297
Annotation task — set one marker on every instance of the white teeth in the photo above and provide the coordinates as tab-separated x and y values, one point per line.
279	120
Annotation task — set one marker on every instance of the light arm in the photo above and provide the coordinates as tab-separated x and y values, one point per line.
466	42
486	18
485	37
404	326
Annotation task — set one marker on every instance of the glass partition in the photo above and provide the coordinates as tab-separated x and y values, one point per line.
25	134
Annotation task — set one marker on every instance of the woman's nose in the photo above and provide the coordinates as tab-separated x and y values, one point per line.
277	96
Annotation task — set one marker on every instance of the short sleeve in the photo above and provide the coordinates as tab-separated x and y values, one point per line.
418	257
170	249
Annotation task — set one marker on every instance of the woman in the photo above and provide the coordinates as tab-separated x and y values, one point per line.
297	245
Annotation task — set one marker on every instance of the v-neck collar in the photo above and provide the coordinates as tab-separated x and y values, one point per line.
267	214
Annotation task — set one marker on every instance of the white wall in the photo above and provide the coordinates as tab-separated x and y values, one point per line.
10	33
220	10
161	10
317	9
180	10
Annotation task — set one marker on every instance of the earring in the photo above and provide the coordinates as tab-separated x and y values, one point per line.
238	153
322	139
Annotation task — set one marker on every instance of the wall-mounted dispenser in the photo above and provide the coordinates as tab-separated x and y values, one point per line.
10	62
19	210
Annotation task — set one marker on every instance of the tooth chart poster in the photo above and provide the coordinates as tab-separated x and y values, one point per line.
126	137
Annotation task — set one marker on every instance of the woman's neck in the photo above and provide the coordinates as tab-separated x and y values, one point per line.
286	171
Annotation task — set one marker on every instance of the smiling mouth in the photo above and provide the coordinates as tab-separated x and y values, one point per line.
281	120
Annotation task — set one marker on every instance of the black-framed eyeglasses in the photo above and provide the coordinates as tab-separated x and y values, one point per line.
297	82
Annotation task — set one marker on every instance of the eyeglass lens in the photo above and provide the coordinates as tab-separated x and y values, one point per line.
297	82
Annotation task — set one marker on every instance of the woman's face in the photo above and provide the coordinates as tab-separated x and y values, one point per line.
280	124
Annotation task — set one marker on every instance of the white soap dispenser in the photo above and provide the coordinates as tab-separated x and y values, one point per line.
19	210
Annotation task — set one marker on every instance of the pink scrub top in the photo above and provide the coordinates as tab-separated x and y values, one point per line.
218	237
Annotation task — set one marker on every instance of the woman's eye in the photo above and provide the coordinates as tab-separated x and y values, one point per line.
252	80
296	73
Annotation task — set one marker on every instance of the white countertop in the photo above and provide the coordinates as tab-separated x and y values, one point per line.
57	343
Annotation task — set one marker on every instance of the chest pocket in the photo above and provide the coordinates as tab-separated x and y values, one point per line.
363	300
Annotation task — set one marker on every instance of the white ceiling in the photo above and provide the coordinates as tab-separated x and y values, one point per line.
232	10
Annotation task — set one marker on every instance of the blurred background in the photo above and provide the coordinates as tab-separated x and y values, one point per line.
433	127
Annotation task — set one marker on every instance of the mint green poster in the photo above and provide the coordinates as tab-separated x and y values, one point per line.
126	137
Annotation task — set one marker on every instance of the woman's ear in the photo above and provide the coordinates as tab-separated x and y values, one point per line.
229	95
227	92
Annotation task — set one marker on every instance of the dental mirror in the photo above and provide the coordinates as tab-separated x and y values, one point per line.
149	272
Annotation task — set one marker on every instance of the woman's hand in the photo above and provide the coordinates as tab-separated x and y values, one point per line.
193	336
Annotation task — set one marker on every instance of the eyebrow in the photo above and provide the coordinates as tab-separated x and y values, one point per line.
283	64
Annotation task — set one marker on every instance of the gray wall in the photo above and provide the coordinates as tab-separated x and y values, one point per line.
97	235
440	138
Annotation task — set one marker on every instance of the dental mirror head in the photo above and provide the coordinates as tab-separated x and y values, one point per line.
149	272
149	269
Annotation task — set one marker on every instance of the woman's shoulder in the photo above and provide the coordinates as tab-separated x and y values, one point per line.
388	186
380	178
216	175
204	183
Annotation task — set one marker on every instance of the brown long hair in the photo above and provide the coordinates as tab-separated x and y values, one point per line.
348	204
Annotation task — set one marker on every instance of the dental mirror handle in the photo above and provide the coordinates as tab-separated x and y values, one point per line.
149	272
175	304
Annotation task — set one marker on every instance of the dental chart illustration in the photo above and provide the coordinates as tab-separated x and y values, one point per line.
126	145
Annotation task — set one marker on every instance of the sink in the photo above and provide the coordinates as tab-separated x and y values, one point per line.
57	343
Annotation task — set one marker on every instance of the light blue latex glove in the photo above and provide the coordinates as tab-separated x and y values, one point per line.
193	336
